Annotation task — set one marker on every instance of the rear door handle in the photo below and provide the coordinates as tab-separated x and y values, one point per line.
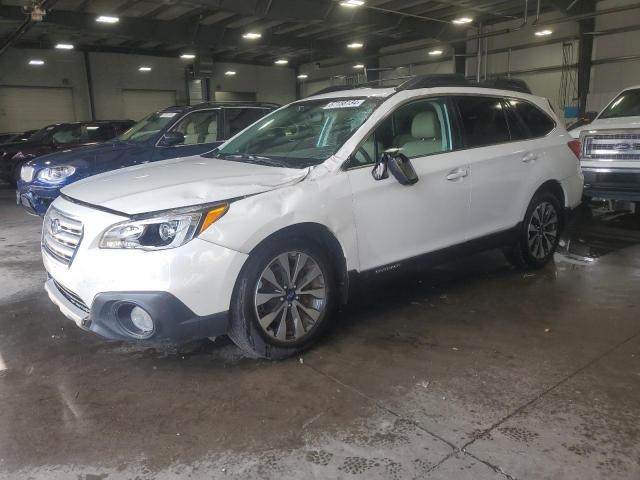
457	174
530	157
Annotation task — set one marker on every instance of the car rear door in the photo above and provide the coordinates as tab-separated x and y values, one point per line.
498	165
395	222
237	119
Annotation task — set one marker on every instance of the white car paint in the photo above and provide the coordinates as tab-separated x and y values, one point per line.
375	223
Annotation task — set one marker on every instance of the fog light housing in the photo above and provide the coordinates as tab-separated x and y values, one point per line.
136	321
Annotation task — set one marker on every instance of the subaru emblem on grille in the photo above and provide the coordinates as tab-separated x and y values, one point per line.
622	146
55	226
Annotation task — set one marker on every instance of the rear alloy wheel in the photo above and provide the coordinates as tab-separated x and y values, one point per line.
543	230
283	298
539	233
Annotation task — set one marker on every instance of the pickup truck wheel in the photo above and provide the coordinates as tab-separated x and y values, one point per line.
538	234
283	299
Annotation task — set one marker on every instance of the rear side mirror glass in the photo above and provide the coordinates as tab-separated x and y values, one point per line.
172	138
400	167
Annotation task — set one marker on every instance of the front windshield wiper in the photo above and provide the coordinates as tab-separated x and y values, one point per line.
248	158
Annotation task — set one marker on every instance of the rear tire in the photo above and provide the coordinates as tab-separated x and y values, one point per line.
539	233
283	299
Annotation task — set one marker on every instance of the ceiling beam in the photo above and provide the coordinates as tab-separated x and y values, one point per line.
179	33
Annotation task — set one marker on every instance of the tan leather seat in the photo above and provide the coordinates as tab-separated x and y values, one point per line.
426	136
212	131
191	134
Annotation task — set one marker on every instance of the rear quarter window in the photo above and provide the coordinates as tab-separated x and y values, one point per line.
537	121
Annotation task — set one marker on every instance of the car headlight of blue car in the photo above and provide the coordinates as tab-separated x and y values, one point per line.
56	174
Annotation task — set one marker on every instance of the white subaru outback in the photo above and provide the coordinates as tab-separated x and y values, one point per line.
263	237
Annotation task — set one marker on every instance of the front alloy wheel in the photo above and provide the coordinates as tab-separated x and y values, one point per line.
290	296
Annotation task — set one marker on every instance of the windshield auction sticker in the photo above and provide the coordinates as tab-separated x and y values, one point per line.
343	104
168	115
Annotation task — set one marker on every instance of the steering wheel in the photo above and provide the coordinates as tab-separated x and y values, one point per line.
366	155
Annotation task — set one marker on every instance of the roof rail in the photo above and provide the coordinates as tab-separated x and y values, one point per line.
439	80
336	88
504	83
435	80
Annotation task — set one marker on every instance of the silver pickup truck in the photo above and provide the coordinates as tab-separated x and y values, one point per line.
611	149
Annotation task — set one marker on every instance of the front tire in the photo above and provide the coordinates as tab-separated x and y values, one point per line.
539	233
283	299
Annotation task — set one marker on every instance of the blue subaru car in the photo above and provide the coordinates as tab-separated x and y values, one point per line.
170	133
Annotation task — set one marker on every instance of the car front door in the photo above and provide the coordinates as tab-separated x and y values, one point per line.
395	222
202	131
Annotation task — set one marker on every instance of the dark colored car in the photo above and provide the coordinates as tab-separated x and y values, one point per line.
57	137
169	133
16	137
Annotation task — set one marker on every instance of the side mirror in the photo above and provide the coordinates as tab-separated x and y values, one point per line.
170	139
399	166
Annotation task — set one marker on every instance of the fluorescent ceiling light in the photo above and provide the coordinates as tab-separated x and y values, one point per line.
36	62
437	51
355	45
64	46
281	61
107	19
145	69
230	73
352	3
358	66
187	56
252	35
543	33
462	20
303	76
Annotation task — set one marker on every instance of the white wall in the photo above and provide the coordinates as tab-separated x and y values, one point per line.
608	79
111	73
271	84
61	69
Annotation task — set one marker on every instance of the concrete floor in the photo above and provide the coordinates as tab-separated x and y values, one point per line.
469	371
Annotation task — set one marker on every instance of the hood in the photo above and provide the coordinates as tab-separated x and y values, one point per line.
85	156
608	123
180	182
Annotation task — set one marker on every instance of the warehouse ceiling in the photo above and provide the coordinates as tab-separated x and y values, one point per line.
298	30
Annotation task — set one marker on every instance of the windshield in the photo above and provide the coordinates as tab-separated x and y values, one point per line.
301	134
148	127
42	134
627	104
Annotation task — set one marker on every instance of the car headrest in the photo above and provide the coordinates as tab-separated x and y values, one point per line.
213	126
425	125
191	128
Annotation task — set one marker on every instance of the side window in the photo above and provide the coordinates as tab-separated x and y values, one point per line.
68	135
537	121
99	133
416	129
483	121
199	127
517	128
240	118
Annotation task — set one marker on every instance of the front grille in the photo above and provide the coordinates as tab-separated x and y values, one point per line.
611	146
26	173
72	297
61	235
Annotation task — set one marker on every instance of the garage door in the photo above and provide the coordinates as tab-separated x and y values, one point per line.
140	103
27	108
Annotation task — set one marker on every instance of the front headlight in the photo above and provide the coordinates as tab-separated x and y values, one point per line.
165	230
56	174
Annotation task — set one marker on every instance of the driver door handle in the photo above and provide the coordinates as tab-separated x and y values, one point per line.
457	174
